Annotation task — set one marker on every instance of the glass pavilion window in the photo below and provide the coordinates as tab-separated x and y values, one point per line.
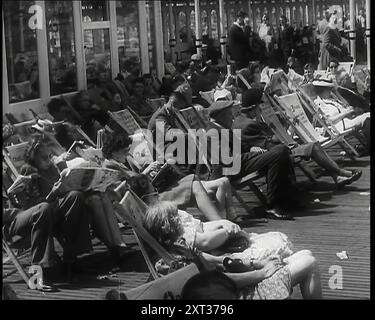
61	47
21	51
127	33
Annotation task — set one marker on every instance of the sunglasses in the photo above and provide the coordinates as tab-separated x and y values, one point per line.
333	67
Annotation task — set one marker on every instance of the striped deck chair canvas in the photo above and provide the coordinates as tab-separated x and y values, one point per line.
294	111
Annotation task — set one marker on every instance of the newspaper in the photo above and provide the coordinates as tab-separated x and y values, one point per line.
84	179
92	154
279	82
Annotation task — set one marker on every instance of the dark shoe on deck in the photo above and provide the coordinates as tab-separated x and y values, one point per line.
278	214
356	174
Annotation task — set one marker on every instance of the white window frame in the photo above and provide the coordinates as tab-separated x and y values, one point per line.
21	109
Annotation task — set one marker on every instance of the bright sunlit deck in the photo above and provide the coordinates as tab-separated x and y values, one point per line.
340	221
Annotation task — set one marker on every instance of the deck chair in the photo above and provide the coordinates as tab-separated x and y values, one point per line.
168	287
9	249
126	120
14	157
348	67
131	209
328	124
272	120
292	108
141	142
194	118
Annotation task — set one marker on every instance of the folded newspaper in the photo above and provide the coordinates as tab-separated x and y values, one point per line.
84	179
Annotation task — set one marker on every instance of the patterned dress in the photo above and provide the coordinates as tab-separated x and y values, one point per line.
276	287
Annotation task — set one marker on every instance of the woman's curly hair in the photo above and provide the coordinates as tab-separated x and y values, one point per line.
163	222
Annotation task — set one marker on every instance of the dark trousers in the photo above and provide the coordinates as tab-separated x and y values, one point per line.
277	166
72	220
66	218
38	222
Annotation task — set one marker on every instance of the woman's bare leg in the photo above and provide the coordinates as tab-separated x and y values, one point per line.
204	203
223	193
305	272
323	160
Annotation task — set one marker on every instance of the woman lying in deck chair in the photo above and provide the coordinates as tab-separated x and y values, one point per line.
334	109
182	189
268	264
103	222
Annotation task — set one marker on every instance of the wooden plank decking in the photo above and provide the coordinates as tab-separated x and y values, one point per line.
340	221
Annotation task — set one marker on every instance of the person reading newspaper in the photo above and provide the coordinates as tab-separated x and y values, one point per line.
86	182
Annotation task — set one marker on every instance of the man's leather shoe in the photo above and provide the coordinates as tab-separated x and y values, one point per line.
276	214
356	174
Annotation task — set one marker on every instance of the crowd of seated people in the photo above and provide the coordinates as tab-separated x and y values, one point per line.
267	261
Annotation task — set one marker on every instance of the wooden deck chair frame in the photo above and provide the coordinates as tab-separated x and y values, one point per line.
245	82
15	257
168	287
304	133
15	260
241	183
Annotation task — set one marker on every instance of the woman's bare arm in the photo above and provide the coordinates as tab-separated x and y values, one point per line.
244	279
207	241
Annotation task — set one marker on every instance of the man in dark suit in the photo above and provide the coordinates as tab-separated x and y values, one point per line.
238	42
285	37
274	162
